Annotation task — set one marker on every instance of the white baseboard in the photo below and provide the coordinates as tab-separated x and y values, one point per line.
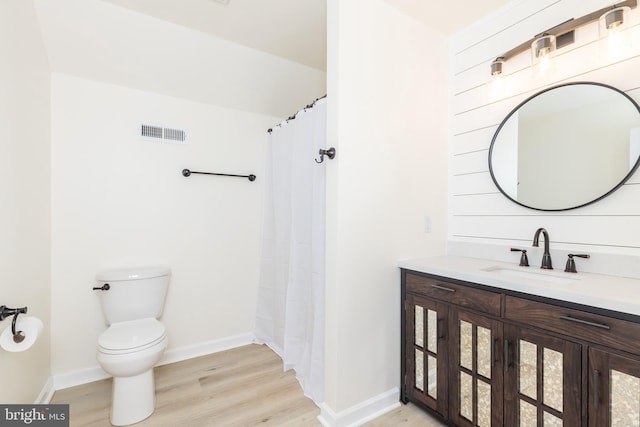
205	348
46	393
362	412
79	377
95	373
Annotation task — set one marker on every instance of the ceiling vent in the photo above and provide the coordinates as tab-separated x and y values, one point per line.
158	133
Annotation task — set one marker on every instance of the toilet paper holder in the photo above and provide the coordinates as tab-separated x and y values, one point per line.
5	312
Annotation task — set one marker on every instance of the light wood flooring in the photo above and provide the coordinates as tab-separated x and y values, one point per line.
240	387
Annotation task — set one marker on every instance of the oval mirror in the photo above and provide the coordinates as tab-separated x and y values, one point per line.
566	147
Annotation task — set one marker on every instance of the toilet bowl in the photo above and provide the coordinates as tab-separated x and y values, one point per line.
135	340
128	351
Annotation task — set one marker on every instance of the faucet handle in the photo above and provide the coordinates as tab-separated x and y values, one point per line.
524	261
571	264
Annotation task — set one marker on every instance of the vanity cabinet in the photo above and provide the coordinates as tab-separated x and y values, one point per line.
542	379
614	389
475	372
451	340
427	353
482	356
612	377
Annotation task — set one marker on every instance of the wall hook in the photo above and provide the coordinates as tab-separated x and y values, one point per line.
330	153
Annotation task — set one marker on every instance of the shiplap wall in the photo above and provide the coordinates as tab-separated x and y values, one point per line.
478	212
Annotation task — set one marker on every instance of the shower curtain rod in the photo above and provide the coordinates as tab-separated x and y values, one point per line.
294	116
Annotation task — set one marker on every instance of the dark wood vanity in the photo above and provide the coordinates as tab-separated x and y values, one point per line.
478	355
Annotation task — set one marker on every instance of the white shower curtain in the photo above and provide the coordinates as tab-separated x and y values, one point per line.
290	310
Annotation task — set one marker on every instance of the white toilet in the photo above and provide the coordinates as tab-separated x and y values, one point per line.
132	301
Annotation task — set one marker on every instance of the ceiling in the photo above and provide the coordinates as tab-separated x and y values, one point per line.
295	29
448	17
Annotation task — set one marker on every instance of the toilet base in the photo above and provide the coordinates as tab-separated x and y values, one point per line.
132	398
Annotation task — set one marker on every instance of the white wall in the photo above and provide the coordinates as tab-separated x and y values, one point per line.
119	201
478	213
24	194
387	120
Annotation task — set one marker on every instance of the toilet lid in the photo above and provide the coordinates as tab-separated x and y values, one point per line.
132	334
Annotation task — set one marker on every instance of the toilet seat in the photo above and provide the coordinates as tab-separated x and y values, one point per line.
131	336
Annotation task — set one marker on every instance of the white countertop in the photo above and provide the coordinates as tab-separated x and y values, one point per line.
597	290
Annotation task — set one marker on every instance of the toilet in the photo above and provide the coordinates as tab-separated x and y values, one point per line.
132	301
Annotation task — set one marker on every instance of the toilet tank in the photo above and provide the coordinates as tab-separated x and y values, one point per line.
134	293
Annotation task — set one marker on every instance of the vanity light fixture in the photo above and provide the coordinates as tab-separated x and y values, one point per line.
542	47
614	18
496	66
613	22
615	41
541	50
543	44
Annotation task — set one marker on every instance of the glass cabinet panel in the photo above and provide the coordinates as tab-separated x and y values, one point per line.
426	329
419	326
419	370
614	390
466	345
528	369
432	331
432	376
466	396
484	404
528	415
425	351
477	383
625	399
541	365
551	420
543	375
484	352
552	379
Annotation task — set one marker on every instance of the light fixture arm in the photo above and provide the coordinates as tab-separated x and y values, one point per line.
565	28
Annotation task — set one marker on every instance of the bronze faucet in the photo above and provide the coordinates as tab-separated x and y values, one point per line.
546	256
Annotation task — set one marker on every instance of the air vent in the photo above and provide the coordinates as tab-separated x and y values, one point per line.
174	134
158	133
151	131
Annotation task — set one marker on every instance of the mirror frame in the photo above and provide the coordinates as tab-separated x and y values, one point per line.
495	135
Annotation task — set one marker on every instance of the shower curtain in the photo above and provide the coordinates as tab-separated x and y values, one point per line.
290	309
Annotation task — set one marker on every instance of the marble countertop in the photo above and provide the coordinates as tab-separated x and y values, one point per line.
597	290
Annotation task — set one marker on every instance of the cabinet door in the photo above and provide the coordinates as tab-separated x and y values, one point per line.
476	370
614	390
426	353
542	379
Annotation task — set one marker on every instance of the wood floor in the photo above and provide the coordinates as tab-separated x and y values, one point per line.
240	387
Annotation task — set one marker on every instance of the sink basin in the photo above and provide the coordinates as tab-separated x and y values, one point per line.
541	276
